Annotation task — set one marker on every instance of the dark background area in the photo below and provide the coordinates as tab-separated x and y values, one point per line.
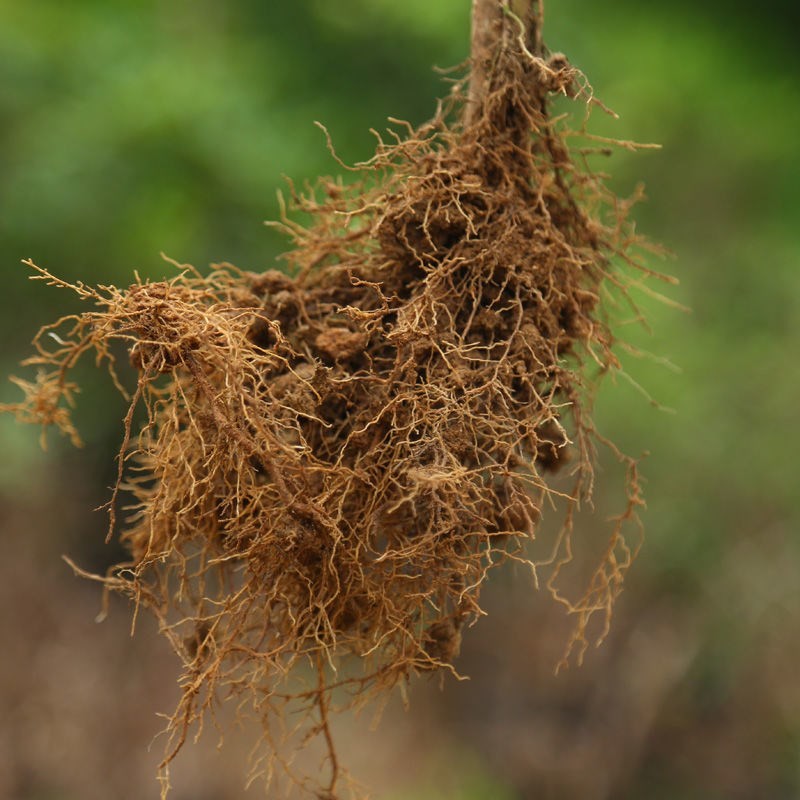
132	128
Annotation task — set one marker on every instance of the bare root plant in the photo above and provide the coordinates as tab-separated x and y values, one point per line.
335	457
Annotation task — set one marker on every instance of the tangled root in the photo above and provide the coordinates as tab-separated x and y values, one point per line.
334	459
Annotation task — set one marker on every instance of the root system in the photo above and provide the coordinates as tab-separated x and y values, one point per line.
336	456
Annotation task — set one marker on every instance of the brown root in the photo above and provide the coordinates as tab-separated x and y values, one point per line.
334	459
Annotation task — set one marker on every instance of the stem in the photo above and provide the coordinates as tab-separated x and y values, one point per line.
487	21
491	21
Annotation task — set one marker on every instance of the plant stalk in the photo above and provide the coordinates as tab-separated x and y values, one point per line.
492	22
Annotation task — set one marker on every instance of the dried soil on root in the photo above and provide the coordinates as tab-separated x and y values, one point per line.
336	458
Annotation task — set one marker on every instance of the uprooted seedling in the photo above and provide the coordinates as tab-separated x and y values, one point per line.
335	457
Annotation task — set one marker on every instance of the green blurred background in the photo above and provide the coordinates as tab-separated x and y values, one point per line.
128	128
